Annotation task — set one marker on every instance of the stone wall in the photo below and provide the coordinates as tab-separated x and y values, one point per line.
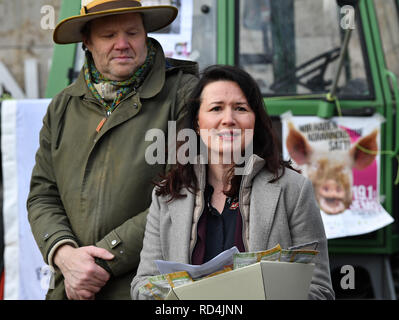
23	35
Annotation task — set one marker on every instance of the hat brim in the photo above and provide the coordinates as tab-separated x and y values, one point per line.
154	18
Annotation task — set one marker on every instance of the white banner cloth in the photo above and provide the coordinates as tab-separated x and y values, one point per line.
21	121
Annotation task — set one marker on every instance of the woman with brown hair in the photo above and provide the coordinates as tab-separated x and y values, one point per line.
203	207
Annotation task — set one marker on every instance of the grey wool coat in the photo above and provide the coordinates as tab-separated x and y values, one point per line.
284	212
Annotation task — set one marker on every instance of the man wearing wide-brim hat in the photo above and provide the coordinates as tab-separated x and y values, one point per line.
91	185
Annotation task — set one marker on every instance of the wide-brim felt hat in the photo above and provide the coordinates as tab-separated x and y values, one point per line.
154	17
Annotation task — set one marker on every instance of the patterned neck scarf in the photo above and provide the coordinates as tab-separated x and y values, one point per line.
123	88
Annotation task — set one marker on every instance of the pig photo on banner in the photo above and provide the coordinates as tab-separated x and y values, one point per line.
341	157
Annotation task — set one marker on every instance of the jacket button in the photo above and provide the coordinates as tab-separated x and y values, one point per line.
113	242
135	105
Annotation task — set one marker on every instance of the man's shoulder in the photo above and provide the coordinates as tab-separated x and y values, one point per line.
78	87
61	99
187	66
75	89
61	96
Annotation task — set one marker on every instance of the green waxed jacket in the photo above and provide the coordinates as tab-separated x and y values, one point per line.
94	188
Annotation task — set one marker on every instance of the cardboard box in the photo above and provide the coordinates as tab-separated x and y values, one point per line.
265	280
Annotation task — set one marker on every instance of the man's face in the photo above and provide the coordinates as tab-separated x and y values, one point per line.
118	45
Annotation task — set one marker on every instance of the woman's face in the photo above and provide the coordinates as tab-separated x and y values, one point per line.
225	120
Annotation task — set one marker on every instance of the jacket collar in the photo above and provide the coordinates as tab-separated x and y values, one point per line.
253	166
154	81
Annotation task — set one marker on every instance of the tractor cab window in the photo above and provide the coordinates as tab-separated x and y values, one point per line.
388	21
292	47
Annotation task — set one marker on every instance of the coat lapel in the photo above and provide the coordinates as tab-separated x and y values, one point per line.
181	213
263	205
